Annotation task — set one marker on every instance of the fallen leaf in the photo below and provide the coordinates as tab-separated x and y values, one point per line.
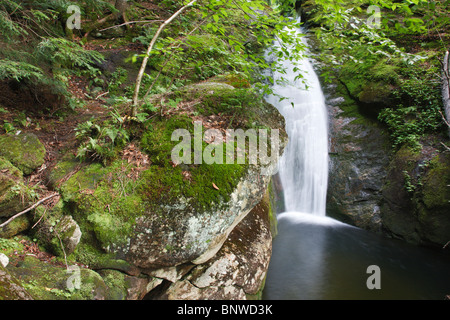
215	187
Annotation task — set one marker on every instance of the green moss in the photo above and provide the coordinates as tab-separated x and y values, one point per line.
436	190
164	183
15	227
116	283
12	189
8	246
406	158
25	151
89	254
105	201
84	180
351	108
7	167
157	143
375	92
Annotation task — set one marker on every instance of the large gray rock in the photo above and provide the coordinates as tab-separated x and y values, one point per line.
238	269
193	236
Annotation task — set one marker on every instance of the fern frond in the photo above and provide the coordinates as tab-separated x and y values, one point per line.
67	54
19	70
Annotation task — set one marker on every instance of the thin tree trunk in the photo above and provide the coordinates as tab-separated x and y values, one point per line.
446	87
147	55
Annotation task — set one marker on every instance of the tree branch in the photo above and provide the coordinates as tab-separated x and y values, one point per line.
130	22
147	55
170	55
27	210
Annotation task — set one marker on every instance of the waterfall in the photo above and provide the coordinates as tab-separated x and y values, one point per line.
315	256
303	168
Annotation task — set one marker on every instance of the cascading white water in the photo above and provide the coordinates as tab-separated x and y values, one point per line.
303	167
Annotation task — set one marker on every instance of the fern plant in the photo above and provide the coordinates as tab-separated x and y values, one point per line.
63	53
19	70
10	29
100	142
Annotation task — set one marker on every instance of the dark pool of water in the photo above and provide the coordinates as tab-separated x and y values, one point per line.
318	258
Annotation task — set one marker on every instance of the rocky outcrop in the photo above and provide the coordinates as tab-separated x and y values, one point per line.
199	234
402	194
155	229
417	197
359	156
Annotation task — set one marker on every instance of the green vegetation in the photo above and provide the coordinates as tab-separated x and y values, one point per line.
387	57
111	159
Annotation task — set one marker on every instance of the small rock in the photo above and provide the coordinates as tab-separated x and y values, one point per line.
4	260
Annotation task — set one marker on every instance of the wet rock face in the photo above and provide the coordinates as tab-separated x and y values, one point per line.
359	156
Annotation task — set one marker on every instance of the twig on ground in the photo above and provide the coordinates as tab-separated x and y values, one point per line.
27	210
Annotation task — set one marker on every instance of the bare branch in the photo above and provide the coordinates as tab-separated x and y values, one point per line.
130	22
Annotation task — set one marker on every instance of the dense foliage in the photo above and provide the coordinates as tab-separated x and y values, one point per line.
387	55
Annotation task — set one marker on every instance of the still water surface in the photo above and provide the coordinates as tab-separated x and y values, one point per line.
318	258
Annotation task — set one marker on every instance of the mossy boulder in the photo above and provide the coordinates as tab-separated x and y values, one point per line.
417	196
161	214
40	276
24	151
11	189
150	232
48	281
18	225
